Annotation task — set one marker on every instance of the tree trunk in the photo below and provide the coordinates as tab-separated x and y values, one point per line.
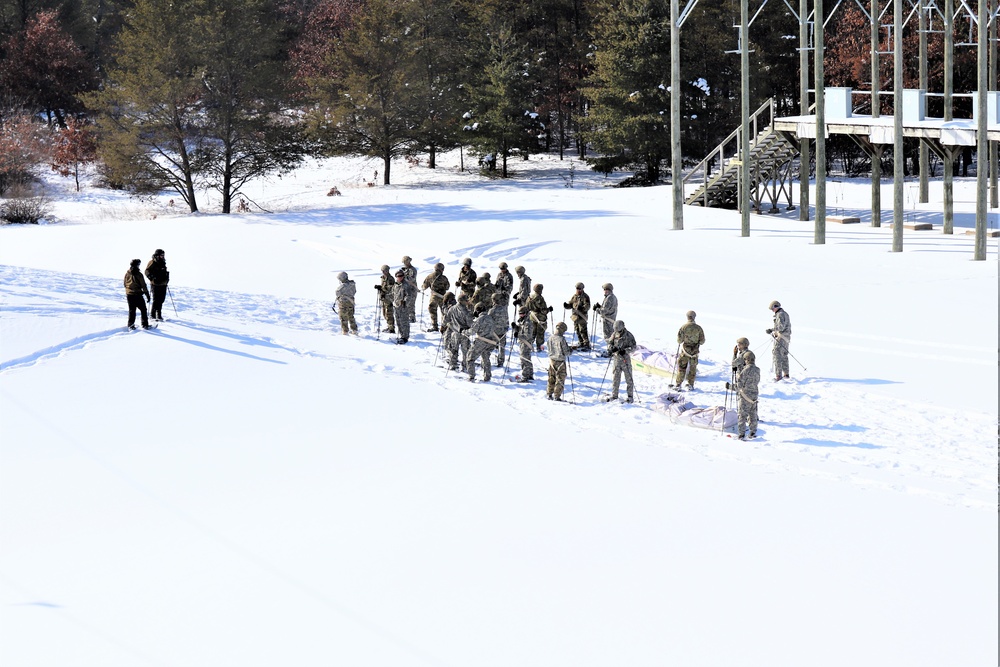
387	163
432	157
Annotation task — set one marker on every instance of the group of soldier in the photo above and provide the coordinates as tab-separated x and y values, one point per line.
474	326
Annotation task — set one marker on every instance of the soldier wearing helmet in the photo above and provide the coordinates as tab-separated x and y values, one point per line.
782	334
401	298
384	289
438	284
620	347
524	331
344	303
742	344
558	351
607	310
504	284
746	387
523	287
539	313
466	278
579	303
690	338
410	278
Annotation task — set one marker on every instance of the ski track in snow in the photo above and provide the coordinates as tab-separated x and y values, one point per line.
808	425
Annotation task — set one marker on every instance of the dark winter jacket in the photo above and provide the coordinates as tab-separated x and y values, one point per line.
135	284
157	272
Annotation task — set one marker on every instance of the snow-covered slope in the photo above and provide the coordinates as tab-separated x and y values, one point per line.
245	485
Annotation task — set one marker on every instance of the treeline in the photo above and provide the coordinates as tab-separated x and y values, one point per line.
183	94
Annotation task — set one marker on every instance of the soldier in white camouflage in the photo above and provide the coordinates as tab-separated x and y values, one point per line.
385	296
607	311
410	276
523	287
782	334
524	333
466	278
579	304
558	351
345	294
500	322
400	307
438	284
504	284
690	338
458	320
482	341
747	392
539	311
620	346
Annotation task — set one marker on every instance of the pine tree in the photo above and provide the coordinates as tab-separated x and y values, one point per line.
629	119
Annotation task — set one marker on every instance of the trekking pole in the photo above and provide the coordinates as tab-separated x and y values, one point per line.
438	353
507	363
789	353
725	406
593	332
677	359
572	389
175	307
422	294
606	368
378	315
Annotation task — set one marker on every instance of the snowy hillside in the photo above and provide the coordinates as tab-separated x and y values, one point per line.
244	485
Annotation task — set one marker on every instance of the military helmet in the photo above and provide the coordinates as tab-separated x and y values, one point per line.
439	267
463	298
342	276
158	252
691	315
537	288
481	280
619	325
519	270
749	357
407	258
486	276
497	298
579	285
385	267
502	265
745	342
773	305
608	286
400	274
560	327
480	309
523	310
466	262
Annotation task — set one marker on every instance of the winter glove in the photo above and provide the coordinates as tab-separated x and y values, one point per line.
767	331
458	283
727	386
597	307
378	287
566	306
517	300
550	309
516	329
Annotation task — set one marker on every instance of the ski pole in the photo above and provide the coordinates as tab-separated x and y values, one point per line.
593	332
606	368
507	363
438	353
378	315
175	307
422	294
677	359
789	353
572	388
725	406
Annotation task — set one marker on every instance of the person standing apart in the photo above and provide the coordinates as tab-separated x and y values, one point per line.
690	338
156	272
345	294
782	334
135	292
747	384
620	346
558	351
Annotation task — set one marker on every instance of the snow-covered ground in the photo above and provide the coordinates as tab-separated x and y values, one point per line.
246	486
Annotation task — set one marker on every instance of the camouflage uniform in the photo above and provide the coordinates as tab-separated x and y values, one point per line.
483	296
558	351
498	313
482	341
400	307
538	310
504	284
410	276
608	311
579	303
747	382
523	287
345	294
135	292
466	280
782	334
690	337
620	345
741	346
524	331
385	295
458	319
438	284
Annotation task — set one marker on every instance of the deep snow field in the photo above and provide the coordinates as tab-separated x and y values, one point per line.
246	486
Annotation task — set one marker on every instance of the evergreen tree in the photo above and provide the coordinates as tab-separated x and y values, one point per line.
149	128
629	120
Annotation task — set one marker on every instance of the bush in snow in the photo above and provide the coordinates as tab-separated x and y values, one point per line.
23	207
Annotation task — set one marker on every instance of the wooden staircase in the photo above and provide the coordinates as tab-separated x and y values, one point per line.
716	178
